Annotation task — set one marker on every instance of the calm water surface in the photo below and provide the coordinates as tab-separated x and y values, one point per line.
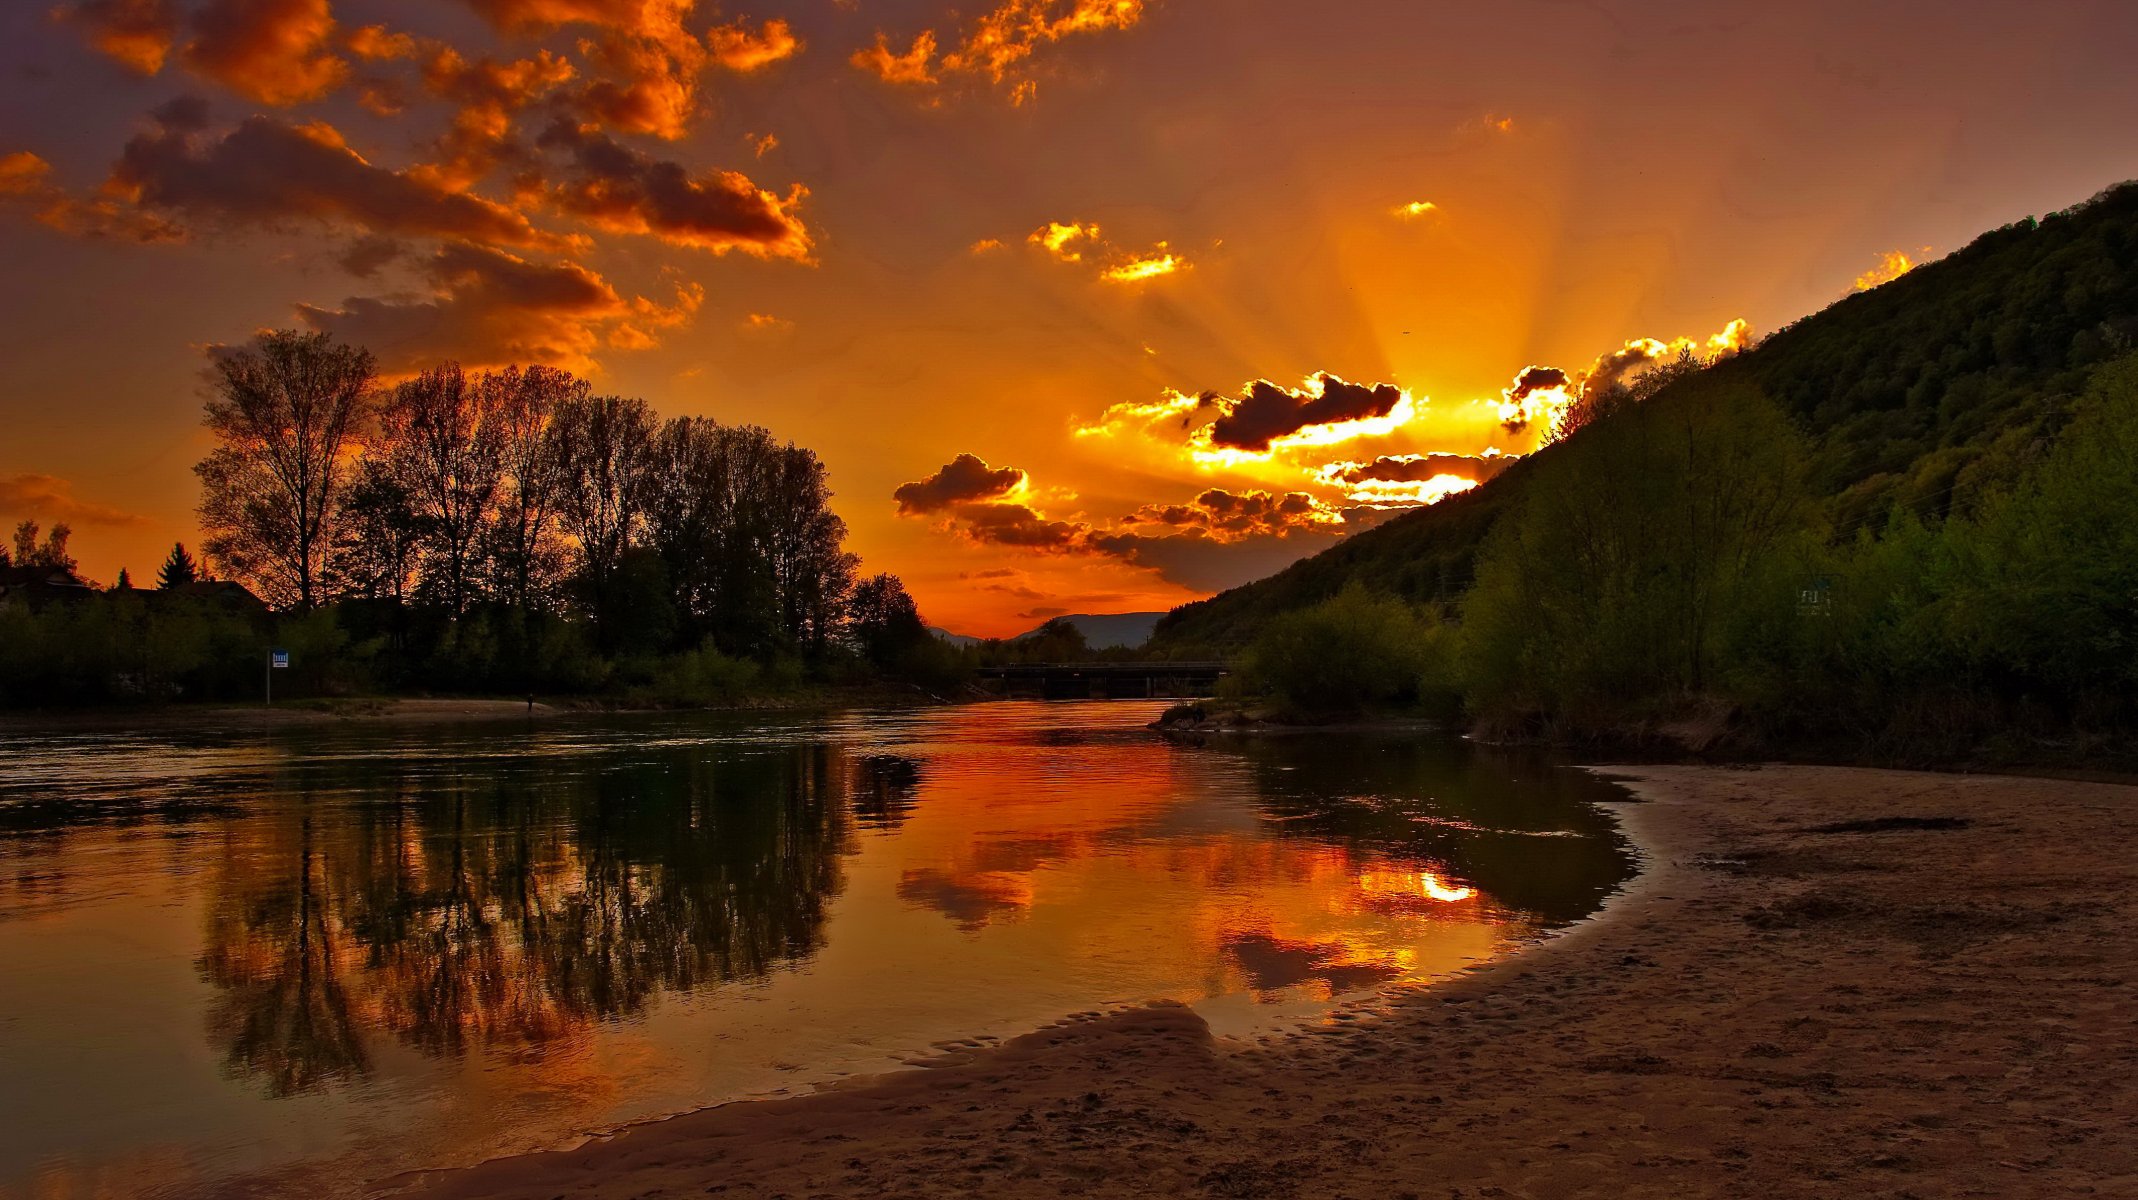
314	959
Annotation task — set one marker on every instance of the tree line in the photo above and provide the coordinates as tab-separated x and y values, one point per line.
512	529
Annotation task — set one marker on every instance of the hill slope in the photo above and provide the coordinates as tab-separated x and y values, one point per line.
1917	395
1108	631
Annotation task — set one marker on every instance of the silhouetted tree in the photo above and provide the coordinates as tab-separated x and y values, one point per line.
1059	640
125	582
444	442
377	540
522	550
600	444
286	412
48	555
883	622
178	569
745	528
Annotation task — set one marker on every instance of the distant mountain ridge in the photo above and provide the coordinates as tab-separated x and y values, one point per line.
1915	396
1102	631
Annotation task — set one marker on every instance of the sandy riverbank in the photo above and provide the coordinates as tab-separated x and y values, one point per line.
1781	1006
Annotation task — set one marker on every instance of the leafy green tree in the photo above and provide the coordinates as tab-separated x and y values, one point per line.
1350	652
1637	548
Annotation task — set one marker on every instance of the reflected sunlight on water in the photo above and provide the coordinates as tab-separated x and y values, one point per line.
319	957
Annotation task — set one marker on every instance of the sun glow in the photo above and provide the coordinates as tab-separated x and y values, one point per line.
1408	493
1394	883
1150	266
1891	266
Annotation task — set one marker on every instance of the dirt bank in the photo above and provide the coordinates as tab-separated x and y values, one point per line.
1812	991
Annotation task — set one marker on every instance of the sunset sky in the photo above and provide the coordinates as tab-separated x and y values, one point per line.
1088	305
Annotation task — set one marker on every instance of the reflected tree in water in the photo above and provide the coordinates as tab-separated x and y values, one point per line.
516	908
277	957
886	788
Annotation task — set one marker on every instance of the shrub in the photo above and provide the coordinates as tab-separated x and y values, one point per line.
1350	652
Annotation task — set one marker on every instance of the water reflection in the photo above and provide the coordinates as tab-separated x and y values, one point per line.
511	910
417	946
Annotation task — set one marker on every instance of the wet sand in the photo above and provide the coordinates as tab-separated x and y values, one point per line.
1788	1002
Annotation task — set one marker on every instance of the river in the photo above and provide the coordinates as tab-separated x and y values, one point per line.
311	959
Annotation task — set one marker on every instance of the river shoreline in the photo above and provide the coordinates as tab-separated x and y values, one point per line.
418	710
1825	982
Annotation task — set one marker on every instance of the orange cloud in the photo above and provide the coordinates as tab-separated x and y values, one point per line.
910	69
1070	241
489	308
488	95
1062	239
735	47
138	34
1416	208
648	62
50	498
1145	267
268	173
26	183
534	16
618	188
998	44
273	51
1891	266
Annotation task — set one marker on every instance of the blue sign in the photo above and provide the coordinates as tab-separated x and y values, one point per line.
280	660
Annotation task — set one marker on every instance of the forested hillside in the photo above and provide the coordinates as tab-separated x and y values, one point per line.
1917	397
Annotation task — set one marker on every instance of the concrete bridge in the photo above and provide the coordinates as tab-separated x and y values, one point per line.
1105	680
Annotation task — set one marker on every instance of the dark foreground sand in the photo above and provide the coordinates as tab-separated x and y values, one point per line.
1773	1010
